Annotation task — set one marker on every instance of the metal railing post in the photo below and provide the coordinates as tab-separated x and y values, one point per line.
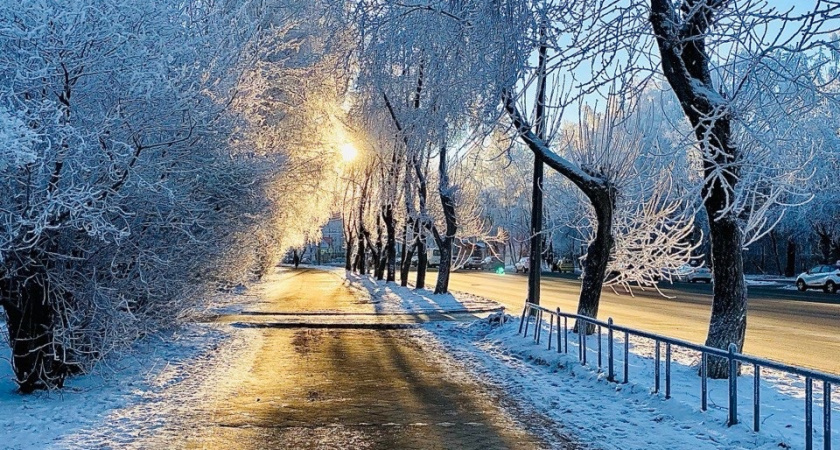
809	413
756	397
559	338
826	415
656	368
599	347
626	356
550	329
538	326
610	367
566	334
522	319
733	386
667	370
704	397
527	320
582	340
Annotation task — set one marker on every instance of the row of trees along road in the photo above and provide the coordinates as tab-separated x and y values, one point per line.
151	153
154	152
743	76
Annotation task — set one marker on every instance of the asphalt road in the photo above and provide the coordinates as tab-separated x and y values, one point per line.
783	325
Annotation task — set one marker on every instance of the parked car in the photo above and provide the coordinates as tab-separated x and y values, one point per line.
475	262
433	256
822	276
563	265
699	274
523	265
680	273
492	263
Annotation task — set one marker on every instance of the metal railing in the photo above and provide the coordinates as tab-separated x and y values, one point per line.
536	312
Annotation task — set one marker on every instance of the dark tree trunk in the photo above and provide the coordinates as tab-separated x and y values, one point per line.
444	242
422	262
361	256
348	253
774	242
825	245
597	256
390	243
535	256
728	323
681	38
407	255
445	267
295	258
38	362
378	253
790	264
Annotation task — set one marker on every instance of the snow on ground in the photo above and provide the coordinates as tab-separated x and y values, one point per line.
762	283
389	298
631	416
47	419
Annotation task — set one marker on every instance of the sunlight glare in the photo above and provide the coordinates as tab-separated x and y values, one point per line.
349	152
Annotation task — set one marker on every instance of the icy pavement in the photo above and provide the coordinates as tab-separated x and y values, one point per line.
251	380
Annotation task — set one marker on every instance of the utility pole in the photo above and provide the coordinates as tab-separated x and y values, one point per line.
535	266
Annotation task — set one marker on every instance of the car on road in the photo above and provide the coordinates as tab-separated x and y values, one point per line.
699	274
523	265
823	277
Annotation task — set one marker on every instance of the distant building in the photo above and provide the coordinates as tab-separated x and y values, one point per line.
331	247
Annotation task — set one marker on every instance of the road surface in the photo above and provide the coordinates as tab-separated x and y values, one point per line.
787	326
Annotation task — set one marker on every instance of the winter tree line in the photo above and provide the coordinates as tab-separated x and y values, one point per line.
151	153
154	153
673	132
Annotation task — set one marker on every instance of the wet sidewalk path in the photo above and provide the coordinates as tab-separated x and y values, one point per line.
325	388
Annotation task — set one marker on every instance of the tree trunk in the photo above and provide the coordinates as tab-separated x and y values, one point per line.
728	323
444	242
38	362
535	271
685	64
535	254
407	254
597	257
295	258
361	256
790	264
445	267
390	243
774	242
348	253
422	262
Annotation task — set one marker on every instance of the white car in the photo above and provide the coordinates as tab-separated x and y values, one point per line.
700	274
523	265
822	276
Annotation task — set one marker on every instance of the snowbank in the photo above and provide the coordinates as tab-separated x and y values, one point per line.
50	419
391	298
631	416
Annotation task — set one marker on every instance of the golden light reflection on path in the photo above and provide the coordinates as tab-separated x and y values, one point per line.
351	388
